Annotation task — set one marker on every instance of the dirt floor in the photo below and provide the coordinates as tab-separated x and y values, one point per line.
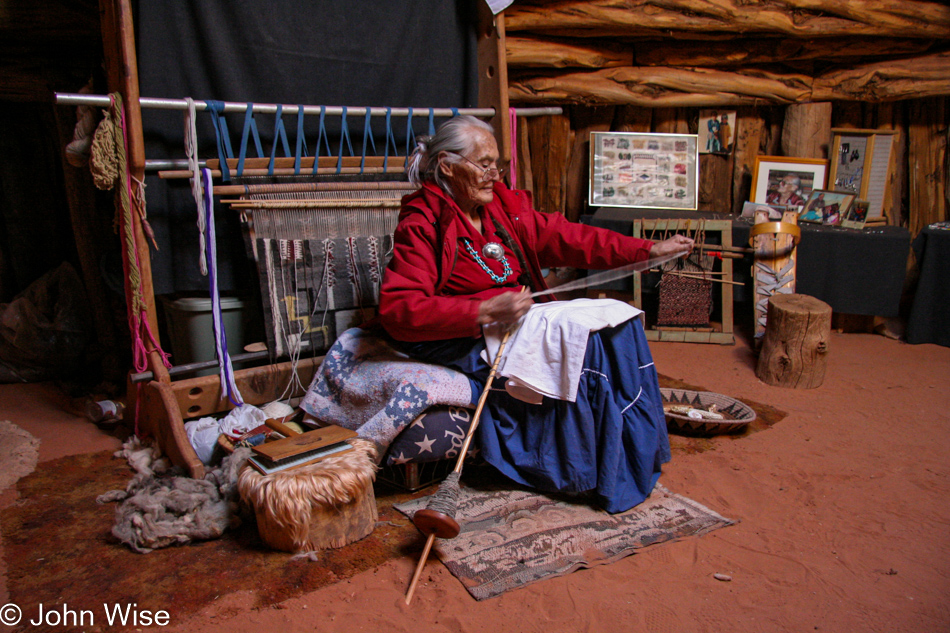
843	513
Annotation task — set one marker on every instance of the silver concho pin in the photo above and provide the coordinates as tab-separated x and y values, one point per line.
493	250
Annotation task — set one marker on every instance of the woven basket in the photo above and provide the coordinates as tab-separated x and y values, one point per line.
685	301
737	415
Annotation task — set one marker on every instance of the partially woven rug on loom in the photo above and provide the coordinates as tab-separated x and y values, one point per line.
511	538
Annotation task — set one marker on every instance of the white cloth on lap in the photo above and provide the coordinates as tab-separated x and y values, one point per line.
544	355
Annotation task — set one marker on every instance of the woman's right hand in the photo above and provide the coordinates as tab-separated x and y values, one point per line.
675	244
507	307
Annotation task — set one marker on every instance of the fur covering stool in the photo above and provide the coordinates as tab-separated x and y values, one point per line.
328	504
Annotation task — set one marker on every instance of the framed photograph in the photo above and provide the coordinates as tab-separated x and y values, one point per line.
649	171
717	131
775	211
860	165
826	207
856	215
787	181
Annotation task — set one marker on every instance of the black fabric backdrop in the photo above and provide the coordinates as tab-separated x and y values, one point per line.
379	53
929	319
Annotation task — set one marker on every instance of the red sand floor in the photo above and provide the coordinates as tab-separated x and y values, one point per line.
844	519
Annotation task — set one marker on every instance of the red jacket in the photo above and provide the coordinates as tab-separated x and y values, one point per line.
412	304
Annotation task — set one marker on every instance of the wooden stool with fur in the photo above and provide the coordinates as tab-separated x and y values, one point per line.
327	504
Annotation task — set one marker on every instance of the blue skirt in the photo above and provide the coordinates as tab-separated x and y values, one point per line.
611	442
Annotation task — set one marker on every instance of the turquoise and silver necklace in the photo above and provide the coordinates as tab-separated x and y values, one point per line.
492	250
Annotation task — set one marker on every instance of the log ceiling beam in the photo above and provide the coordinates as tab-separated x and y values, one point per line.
528	52
911	78
534	52
661	87
918	77
701	18
745	52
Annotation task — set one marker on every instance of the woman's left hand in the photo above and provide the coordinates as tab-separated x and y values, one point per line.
676	244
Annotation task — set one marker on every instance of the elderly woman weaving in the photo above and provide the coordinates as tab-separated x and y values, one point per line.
466	250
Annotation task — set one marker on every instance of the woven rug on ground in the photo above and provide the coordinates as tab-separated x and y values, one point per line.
514	537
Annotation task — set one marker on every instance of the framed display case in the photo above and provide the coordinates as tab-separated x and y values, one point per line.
860	165
650	171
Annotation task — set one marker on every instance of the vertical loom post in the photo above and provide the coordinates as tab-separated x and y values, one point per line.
122	66
493	75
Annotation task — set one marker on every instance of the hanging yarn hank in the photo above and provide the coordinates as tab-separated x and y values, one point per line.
111	150
197	192
103	162
139	324
225	370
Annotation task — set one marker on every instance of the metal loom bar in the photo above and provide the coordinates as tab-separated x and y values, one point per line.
76	99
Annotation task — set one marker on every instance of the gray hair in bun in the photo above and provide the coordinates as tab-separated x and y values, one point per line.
454	136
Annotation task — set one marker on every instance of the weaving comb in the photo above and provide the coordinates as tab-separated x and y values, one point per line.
300	449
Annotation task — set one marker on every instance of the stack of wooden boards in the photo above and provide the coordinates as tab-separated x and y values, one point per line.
299	449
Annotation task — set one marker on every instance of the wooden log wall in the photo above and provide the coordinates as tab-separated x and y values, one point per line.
790	69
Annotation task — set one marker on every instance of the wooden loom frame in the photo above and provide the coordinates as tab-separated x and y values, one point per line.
162	404
724	335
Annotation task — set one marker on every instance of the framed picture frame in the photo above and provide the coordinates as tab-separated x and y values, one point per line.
717	131
775	211
856	215
647	171
787	181
826	207
861	163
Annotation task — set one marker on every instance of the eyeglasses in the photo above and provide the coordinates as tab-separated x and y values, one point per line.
488	173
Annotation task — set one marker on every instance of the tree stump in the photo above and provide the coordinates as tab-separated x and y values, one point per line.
795	347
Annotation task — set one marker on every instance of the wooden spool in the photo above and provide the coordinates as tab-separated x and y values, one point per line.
328	504
795	347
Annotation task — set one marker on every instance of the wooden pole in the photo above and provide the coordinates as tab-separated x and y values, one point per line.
750	132
584	121
550	138
927	162
493	74
122	69
807	130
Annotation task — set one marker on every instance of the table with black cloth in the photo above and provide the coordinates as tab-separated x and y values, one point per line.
855	271
929	318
